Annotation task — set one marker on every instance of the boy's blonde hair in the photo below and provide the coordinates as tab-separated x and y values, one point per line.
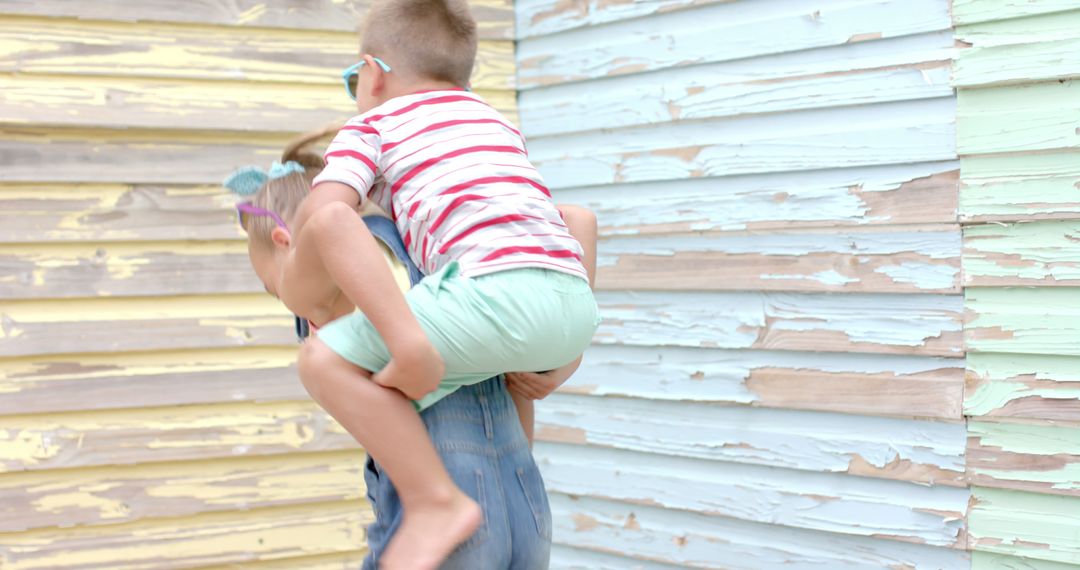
431	39
283	195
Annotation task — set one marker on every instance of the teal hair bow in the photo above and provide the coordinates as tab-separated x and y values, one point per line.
247	180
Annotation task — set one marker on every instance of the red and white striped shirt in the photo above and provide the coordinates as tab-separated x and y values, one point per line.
454	175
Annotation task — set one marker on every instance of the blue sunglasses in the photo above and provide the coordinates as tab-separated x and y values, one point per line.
352	74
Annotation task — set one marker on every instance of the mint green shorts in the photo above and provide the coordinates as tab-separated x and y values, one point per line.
529	320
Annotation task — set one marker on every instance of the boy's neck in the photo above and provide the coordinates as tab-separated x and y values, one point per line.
404	88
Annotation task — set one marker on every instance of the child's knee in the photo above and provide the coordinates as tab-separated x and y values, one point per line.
318	366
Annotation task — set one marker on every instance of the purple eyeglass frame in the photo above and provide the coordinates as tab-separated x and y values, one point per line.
251	209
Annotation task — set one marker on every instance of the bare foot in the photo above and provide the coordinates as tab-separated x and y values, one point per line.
429	534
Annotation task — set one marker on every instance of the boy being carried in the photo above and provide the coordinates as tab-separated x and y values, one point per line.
506	288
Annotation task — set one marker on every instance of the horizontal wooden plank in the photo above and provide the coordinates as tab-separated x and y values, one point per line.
1023	386
894	133
89	47
337	561
971	11
123	102
719	32
130	156
988	561
1035	117
907	260
495	18
112	437
800	499
542	17
646	534
884	448
138	324
47	384
191	542
899	69
571	558
108	495
1037	456
1028	525
1023	321
116	213
884	195
1019	51
876	385
1043	254
1020	187
33	271
889	324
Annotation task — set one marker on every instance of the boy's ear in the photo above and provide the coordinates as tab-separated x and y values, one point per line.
281	237
378	77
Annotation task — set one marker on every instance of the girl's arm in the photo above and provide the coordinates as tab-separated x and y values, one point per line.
525	387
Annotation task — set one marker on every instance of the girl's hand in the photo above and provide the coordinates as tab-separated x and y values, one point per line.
533	385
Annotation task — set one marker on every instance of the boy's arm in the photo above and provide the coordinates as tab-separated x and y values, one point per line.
582	225
335	247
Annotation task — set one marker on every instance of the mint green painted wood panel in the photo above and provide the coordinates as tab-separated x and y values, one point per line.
1029	525
1039	457
989	561
971	11
1023	386
1020	186
1025	321
1035	117
1019	51
1043	253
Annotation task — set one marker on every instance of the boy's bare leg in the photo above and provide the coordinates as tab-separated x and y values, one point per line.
437	515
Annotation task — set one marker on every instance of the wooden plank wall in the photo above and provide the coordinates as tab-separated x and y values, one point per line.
1018	80
150	415
778	380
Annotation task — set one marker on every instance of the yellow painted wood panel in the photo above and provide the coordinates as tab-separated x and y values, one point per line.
116	380
194	541
144	49
107	495
58	326
219	105
150	413
81	439
116	212
495	18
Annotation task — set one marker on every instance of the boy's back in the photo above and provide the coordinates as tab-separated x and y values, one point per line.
454	174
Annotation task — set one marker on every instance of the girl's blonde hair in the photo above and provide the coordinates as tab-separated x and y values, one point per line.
283	195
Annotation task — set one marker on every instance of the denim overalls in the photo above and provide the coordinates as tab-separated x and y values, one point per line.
479	438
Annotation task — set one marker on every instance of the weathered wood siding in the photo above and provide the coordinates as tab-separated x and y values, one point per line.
778	381
1018	79
150	415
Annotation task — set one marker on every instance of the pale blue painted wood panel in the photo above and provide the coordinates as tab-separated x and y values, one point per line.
857	506
691	540
892	194
906	68
891	324
908	260
874	384
886	448
878	195
894	133
720	32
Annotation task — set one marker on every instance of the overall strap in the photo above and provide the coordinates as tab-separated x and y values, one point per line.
385	231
